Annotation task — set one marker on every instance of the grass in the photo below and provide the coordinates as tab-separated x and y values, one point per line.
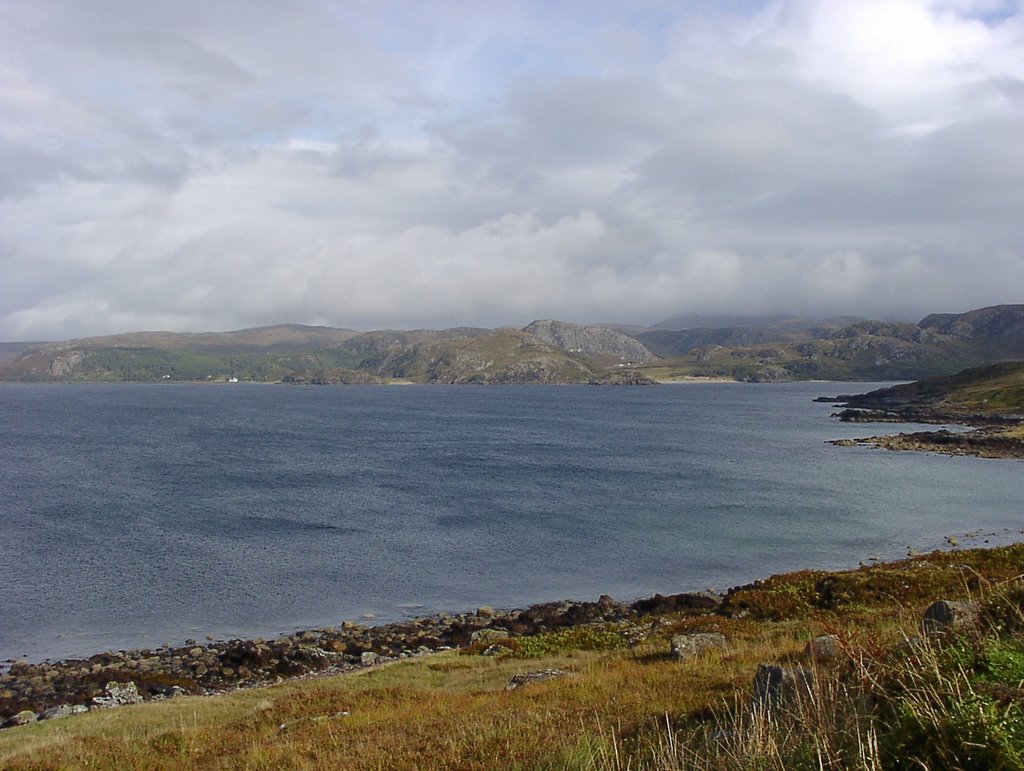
888	703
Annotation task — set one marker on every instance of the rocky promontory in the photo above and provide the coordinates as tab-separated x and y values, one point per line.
990	400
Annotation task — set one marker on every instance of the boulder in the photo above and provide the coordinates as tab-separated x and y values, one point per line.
368	658
63	710
824	648
776	685
688	646
525	678
949	615
673	603
118	694
24	717
488	635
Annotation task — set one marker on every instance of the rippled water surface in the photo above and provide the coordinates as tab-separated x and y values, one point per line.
137	515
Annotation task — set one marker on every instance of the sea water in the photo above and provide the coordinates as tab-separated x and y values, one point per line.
134	515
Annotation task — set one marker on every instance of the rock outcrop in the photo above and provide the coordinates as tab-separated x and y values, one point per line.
590	341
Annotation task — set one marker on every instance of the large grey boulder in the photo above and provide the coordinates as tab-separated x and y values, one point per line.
688	646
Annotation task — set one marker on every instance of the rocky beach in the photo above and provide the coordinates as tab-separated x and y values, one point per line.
31	691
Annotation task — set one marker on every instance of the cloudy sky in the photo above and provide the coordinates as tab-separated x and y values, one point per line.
217	164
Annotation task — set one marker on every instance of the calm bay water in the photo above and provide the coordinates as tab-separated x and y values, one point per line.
135	515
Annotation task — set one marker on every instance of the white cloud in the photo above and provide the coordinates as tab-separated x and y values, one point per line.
364	164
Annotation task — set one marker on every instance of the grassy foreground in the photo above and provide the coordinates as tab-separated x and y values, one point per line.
890	699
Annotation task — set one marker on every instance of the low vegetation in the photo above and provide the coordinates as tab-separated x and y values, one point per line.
891	697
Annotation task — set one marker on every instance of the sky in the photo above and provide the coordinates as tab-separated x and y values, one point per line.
204	165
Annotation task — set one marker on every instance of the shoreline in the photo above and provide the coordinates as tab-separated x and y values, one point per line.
222	666
984	435
978	443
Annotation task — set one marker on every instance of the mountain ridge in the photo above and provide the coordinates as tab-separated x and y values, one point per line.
544	351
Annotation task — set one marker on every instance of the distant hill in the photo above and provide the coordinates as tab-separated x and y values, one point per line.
1000	327
503	356
683	321
996	389
371	351
544	351
149	356
670	343
280	337
12	351
668	340
865	350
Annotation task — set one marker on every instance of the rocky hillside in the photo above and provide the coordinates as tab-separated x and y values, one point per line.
994	390
865	350
673	343
594	341
999	328
542	352
504	356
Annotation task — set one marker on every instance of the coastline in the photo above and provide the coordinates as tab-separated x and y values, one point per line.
985	434
221	666
979	443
